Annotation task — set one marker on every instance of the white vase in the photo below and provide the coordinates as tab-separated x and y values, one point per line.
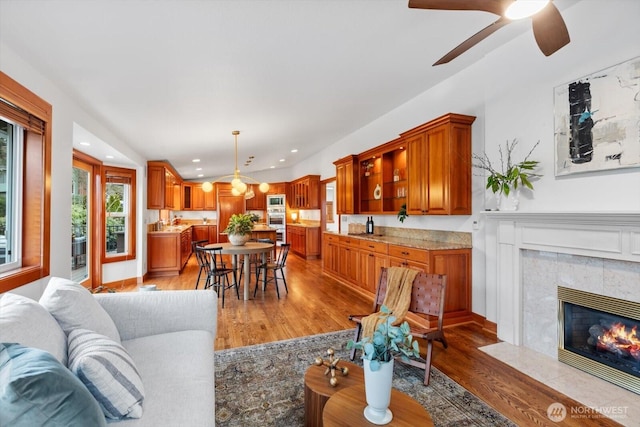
239	239
510	202
377	386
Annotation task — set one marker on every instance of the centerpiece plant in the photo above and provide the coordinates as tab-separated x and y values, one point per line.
239	228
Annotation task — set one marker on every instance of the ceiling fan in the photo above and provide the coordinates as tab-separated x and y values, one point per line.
549	28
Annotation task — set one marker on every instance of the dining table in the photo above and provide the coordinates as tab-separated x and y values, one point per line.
247	249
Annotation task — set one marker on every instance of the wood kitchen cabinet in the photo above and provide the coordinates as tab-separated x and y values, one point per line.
210	199
258	202
304	240
193	196
383	178
163	186
347	187
356	262
304	193
204	232
330	252
348	259
403	256
168	252
439	166
277	188
372	257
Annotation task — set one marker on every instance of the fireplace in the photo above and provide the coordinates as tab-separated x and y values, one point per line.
599	335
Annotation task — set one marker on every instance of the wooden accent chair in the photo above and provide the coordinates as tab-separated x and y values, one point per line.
427	297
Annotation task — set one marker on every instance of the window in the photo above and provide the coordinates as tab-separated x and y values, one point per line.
119	213
10	190
26	129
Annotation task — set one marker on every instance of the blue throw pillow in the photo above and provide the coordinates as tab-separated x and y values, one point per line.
36	389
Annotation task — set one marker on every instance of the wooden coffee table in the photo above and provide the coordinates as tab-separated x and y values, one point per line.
346	409
317	389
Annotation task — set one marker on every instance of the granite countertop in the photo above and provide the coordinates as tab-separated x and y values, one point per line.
301	224
173	229
432	245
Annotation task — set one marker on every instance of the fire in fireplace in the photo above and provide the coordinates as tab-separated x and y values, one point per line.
598	334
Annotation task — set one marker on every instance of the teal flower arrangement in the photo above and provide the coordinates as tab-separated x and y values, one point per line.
387	342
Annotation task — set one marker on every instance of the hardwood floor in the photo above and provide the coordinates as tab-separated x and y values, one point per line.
317	304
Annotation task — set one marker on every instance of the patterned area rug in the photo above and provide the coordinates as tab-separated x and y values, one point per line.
263	385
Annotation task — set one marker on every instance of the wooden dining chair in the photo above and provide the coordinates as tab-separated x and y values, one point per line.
427	298
273	267
255	260
201	268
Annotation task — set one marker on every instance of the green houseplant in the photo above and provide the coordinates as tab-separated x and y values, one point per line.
239	228
510	175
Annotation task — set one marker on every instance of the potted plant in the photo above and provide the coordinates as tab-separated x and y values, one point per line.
511	176
378	353
239	228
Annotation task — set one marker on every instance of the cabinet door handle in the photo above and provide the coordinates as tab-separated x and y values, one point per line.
405	253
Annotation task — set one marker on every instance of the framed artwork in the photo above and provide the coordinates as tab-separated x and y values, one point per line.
597	121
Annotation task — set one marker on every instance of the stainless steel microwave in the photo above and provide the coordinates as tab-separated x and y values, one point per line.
275	200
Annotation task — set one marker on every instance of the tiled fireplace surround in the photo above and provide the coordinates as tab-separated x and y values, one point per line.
530	254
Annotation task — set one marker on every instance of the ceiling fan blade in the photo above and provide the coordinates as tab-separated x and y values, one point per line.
473	40
494	6
550	30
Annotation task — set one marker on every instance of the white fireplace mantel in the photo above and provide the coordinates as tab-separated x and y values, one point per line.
610	235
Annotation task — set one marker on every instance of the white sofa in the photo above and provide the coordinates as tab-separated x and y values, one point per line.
169	335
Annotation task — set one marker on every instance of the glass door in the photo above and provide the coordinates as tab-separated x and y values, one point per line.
81	221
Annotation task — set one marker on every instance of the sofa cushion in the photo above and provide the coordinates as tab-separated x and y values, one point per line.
177	370
38	390
74	307
105	367
24	321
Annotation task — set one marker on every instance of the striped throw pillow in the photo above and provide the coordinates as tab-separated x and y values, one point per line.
105	367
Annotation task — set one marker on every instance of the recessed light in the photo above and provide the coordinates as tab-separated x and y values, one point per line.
200	175
86	144
282	160
109	156
272	167
295	150
198	169
195	160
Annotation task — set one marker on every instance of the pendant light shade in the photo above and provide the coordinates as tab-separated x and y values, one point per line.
238	186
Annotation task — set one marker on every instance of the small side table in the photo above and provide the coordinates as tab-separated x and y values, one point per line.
346	409
317	389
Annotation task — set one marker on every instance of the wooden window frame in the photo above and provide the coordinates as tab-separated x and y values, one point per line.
36	203
129	174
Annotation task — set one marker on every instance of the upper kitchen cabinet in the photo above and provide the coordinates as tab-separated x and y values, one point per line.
277	188
439	166
257	202
383	178
163	186
347	185
305	193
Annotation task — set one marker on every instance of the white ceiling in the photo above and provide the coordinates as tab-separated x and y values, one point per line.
173	78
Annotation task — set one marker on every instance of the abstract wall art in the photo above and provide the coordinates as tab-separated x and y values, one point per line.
597	121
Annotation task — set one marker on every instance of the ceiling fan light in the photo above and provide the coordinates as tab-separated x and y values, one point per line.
207	187
264	187
520	9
